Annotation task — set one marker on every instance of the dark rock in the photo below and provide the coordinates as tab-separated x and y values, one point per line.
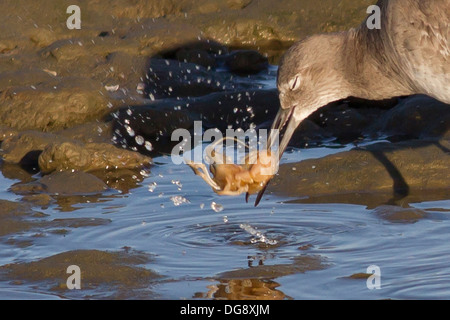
196	56
347	120
308	133
246	62
414	117
171	79
222	110
211	47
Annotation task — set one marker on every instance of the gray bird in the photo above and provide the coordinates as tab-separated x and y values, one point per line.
408	54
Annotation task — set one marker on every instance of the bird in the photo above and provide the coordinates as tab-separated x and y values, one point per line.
408	53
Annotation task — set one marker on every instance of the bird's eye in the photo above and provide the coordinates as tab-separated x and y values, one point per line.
294	83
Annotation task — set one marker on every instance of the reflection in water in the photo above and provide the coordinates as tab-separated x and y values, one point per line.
201	253
256	282
299	264
375	199
243	289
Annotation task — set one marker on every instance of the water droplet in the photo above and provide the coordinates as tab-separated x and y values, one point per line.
139	140
217	207
148	145
177	183
140	87
178	200
144	173
129	130
152	187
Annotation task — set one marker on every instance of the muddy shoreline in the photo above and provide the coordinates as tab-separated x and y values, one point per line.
84	112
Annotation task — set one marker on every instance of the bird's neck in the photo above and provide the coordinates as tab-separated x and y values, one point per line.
369	70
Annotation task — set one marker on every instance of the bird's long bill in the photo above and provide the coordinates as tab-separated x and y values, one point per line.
283	117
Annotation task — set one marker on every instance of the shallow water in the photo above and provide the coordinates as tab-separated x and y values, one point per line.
302	251
162	233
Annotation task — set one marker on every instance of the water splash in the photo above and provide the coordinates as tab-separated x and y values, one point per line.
258	235
179	200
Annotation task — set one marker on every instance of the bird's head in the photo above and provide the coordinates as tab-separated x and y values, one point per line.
309	77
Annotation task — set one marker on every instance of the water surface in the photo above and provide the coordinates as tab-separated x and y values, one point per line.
282	249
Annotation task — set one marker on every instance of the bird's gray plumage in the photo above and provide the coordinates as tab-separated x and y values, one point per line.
409	54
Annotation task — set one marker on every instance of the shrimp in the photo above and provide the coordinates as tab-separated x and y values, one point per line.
231	179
